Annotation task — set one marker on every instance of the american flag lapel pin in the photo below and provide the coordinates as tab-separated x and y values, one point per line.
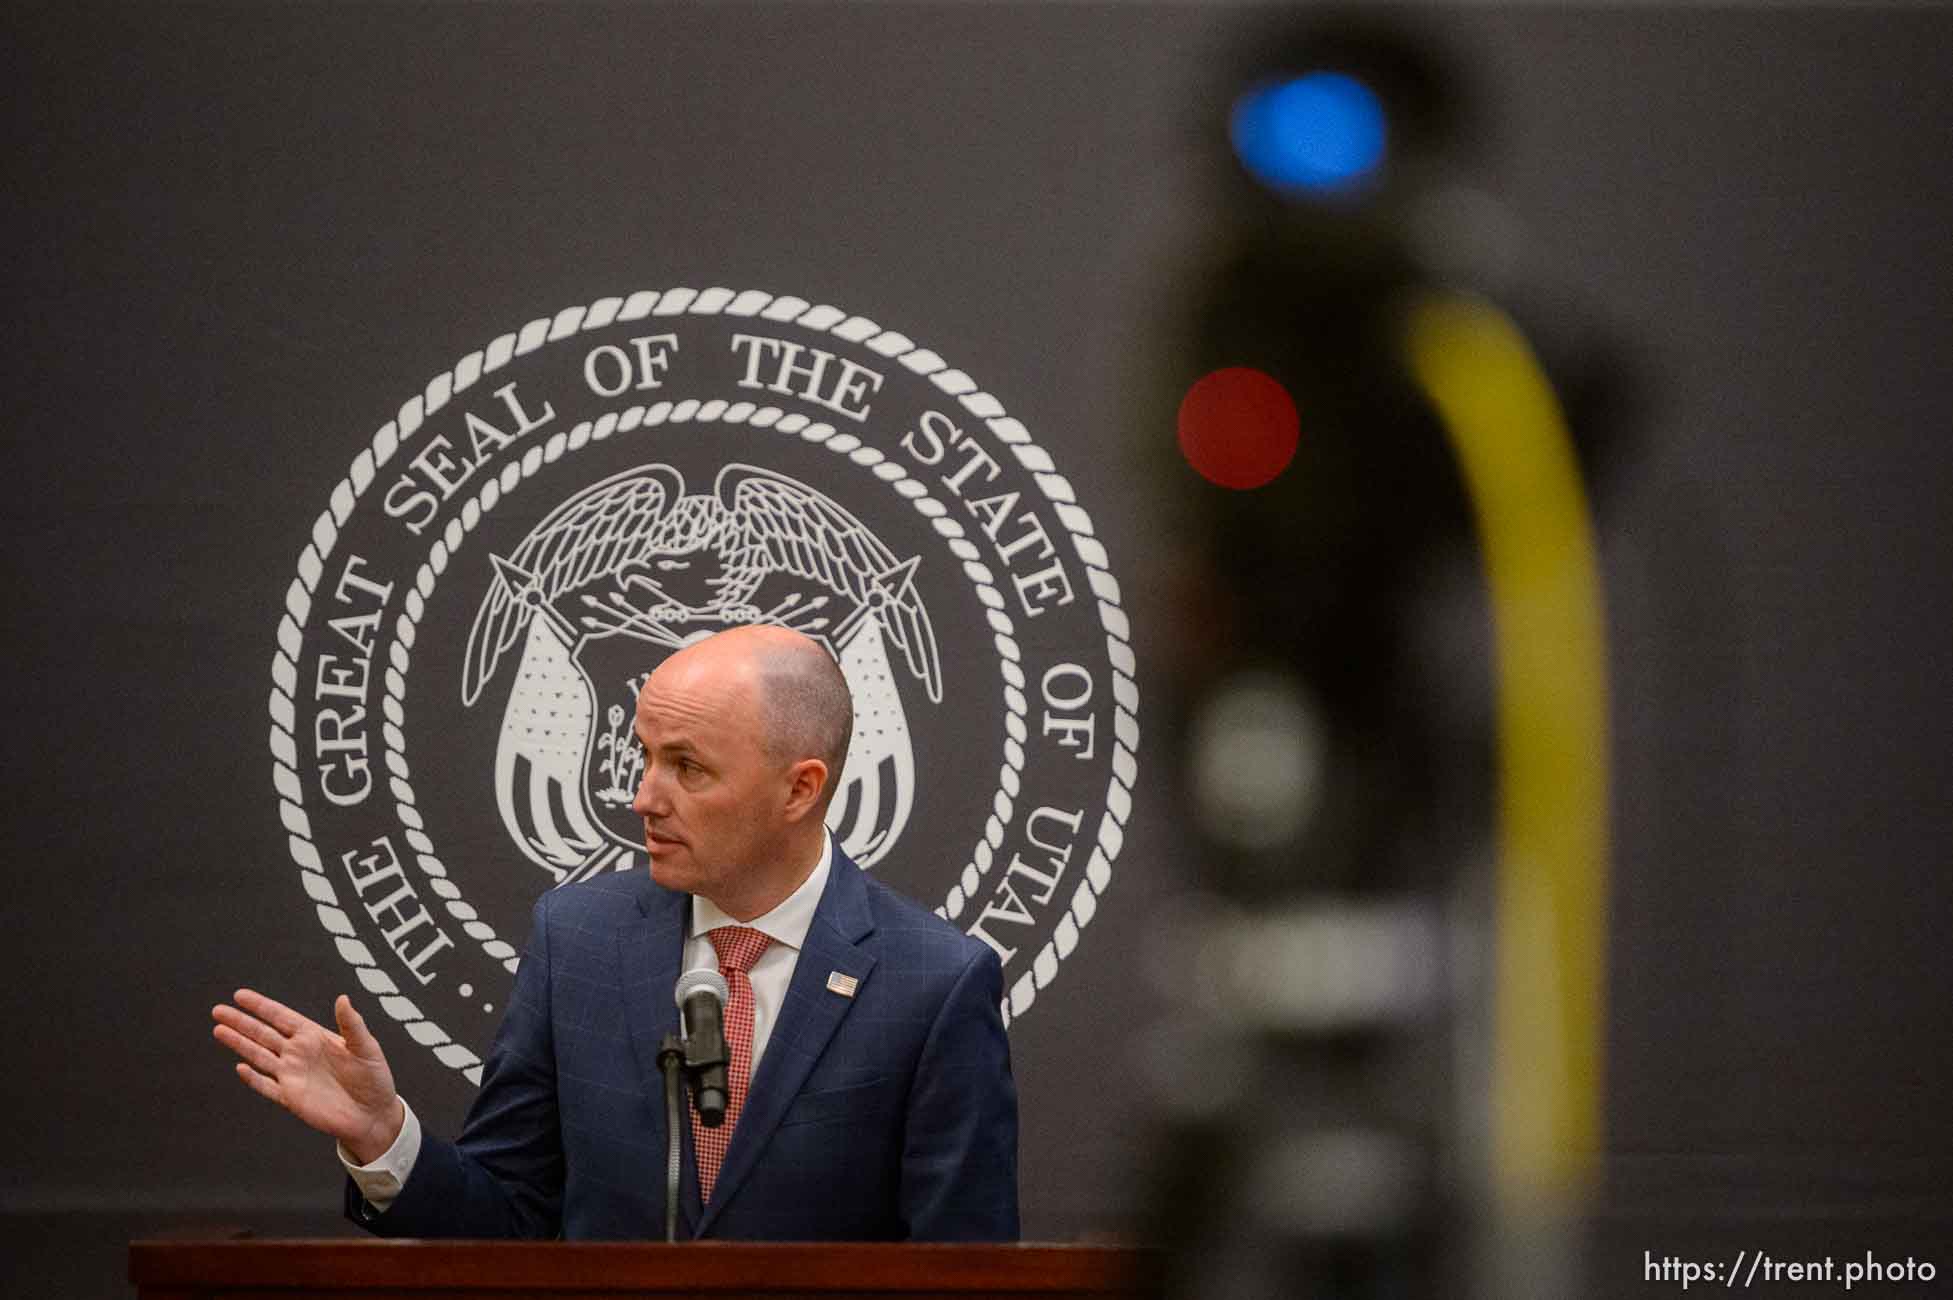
845	985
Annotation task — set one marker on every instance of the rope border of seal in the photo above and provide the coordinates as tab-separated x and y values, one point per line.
672	302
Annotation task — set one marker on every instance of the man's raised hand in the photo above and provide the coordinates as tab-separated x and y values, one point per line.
338	1083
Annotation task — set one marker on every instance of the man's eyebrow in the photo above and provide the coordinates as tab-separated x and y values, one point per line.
677	745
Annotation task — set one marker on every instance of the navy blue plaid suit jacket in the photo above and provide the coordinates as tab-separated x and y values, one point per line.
890	1115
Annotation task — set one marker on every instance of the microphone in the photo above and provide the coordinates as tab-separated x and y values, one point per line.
701	998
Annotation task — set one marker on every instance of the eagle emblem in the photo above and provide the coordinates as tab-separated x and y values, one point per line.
632	568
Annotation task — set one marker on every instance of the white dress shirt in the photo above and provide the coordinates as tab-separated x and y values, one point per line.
786	925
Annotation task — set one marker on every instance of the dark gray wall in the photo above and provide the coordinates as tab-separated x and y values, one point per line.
240	237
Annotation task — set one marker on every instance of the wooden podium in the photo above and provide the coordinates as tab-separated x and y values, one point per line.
367	1269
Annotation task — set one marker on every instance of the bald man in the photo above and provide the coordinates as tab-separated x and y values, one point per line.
879	1103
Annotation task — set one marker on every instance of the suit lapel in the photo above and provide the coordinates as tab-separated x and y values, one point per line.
808	1019
652	949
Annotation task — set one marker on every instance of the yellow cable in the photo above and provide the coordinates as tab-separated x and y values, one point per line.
1537	538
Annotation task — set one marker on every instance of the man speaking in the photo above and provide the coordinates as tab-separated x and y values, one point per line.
869	1087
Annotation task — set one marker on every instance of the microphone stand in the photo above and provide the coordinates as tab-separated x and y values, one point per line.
671	1058
677	1060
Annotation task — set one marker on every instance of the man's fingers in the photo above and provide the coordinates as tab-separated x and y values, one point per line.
272	1012
249	1026
260	1060
352	1027
258	1083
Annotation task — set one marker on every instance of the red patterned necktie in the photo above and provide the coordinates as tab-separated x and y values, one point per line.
738	948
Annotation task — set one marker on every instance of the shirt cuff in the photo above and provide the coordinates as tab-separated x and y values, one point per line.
382	1180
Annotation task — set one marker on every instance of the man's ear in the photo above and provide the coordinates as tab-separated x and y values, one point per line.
806	784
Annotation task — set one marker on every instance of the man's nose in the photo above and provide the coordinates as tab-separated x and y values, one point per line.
649	801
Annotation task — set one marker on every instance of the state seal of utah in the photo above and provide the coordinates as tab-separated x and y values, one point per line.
507	558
